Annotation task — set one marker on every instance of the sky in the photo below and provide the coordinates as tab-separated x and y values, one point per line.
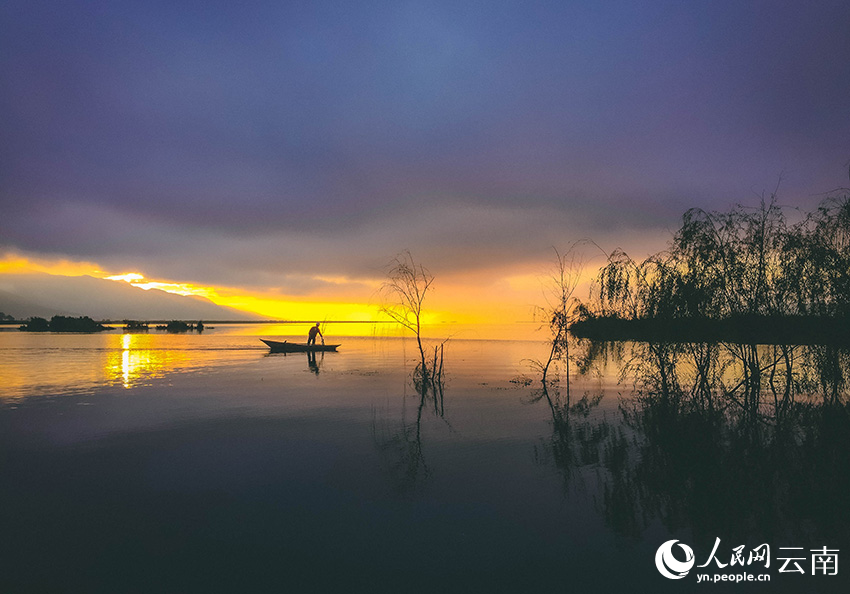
277	155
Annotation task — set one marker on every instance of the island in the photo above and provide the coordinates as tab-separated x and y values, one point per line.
63	324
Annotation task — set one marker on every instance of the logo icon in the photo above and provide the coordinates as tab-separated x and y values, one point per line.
668	565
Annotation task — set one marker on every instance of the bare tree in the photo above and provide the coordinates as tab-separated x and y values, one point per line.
403	295
560	309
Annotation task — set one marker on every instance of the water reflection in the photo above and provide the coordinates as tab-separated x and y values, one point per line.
312	363
752	442
576	436
400	444
136	361
133	362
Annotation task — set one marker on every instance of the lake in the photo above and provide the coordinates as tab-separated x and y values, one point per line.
192	462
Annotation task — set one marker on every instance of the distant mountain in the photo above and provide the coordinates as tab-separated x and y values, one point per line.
46	295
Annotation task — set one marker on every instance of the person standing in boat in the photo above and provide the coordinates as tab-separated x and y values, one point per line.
311	336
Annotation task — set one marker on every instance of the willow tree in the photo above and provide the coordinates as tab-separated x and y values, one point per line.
718	265
819	271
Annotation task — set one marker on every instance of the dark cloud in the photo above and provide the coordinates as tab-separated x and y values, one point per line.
269	140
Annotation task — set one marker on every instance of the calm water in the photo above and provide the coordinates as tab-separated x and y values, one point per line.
202	463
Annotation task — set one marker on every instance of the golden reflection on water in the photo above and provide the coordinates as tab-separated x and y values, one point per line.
137	361
333	331
54	363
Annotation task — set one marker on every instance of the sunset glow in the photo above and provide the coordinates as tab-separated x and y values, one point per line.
14	263
130	277
478	138
139	281
452	302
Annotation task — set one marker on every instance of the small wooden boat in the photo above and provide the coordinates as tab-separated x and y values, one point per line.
297	347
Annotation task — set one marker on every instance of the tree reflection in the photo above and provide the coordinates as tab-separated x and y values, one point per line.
401	447
733	438
401	444
747	441
576	437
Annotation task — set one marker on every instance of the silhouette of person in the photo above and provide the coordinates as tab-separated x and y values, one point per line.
312	363
311	336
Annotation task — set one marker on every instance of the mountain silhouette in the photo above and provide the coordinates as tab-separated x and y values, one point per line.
45	295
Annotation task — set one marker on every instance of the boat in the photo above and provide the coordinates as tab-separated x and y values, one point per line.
297	347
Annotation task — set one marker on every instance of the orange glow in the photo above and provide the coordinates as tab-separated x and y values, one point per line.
11	263
130	277
268	305
135	279
283	309
463	305
131	359
505	295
